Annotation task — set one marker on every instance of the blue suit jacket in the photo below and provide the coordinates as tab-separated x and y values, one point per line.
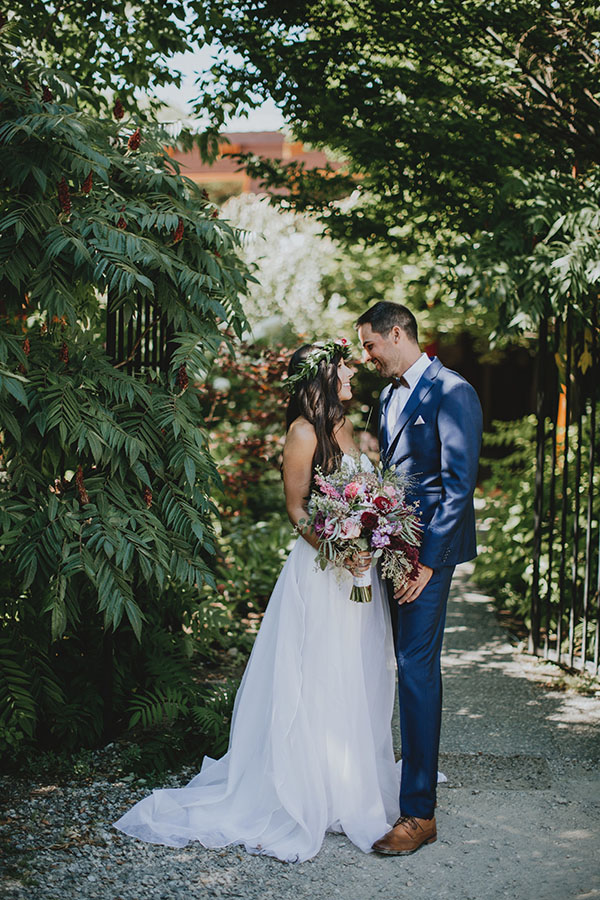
441	456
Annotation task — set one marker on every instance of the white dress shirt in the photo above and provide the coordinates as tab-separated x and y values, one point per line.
402	392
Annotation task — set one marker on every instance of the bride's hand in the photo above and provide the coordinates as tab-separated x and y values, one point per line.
359	563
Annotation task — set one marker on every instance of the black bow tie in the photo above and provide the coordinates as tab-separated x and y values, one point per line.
399	382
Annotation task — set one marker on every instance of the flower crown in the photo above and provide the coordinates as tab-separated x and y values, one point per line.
323	350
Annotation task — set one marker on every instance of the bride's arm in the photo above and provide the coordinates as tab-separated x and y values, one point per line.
298	452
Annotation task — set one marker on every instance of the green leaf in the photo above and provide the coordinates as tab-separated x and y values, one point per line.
52	507
134	614
190	470
142	473
14	386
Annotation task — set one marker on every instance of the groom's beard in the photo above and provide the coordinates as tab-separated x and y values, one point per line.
384	369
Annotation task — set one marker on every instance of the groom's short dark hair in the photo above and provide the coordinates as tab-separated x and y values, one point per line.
384	315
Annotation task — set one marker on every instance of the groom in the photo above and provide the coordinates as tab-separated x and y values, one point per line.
430	429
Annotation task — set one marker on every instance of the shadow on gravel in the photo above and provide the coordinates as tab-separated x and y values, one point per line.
493	699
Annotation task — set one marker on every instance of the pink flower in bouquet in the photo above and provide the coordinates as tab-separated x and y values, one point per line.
350	529
327	489
352	490
369	519
328	528
383	504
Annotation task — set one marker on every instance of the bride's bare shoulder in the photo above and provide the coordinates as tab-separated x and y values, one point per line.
301	430
301	437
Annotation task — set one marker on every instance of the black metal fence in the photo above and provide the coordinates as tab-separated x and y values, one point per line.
565	600
138	337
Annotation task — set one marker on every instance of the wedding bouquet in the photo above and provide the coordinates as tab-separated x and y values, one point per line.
357	509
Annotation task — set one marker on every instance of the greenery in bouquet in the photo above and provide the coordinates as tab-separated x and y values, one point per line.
358	509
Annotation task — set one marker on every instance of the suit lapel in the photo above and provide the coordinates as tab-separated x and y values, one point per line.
414	401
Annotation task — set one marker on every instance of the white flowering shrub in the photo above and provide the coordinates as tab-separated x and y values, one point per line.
292	260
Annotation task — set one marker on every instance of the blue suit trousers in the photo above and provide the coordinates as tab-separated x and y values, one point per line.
419	631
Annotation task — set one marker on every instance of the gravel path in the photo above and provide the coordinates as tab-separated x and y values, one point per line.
519	817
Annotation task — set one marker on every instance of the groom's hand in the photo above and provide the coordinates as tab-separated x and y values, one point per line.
412	589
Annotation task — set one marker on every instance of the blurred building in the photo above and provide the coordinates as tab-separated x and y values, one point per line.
226	177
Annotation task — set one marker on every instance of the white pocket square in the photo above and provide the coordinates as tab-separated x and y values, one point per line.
420	421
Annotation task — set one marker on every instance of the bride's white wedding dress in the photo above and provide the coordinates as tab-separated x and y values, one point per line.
311	746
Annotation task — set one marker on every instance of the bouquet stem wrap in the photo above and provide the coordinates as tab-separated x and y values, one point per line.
362	590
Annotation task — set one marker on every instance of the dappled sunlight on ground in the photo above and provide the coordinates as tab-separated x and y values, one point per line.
493	693
518	819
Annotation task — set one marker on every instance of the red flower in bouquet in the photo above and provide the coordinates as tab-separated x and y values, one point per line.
409	552
369	519
383	504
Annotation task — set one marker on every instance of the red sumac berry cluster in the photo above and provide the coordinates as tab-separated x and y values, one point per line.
178	233
135	140
64	197
182	377
83	494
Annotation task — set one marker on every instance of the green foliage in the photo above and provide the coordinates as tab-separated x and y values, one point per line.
504	566
178	724
186	713
112	46
213	715
507	534
18	716
244	406
309	284
409	94
106	478
540	256
461	123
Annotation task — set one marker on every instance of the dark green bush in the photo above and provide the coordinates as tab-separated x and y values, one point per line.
106	477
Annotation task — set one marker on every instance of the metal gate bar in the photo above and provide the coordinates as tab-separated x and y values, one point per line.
138	338
564	489
534	634
565	613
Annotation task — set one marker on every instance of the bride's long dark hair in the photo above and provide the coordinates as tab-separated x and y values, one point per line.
317	399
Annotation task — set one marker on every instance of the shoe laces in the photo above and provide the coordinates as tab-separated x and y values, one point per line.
407	820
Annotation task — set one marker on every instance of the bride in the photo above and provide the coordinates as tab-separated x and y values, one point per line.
311	747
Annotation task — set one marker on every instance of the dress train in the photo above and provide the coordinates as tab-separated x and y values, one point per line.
311	746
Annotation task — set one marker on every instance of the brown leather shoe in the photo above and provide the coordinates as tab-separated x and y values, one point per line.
407	835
